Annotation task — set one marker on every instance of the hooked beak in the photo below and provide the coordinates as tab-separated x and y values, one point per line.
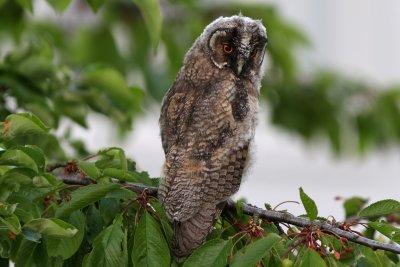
239	65
242	57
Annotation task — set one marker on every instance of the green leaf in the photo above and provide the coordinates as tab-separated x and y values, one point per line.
113	157
367	257
95	4
239	207
110	82
7	209
89	168
26	4
120	175
12	180
67	247
26	209
331	241
51	227
121	193
2	2
122	159
22	124
287	263
94	223
165	223
309	205
25	253
212	253
380	208
52	179
150	247
36	154
20	176
353	205
84	196
12	223
108	248
312	259
254	252
145	179
109	207
18	158
116	153
386	260
393	233
59	5
152	16
125	255
40	181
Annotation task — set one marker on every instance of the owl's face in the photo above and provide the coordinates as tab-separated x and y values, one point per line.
237	43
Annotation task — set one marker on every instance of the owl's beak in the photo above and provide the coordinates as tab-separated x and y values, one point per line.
239	65
242	57
241	61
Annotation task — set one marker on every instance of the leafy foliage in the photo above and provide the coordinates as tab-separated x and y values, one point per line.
54	70
45	221
50	73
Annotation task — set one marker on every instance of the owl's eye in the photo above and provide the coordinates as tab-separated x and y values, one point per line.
227	48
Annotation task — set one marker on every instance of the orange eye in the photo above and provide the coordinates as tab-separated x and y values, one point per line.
227	48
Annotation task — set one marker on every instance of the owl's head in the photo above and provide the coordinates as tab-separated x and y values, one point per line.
237	43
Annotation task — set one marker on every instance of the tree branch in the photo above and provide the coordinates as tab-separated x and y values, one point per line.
324	226
271	215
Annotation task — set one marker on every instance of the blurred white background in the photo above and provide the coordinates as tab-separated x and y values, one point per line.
359	38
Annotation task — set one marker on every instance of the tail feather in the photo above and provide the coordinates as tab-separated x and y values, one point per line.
190	234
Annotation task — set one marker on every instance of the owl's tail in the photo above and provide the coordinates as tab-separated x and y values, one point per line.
190	234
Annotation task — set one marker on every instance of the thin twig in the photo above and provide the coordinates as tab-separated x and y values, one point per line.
284	202
274	216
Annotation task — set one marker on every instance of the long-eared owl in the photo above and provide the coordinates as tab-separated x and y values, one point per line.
207	121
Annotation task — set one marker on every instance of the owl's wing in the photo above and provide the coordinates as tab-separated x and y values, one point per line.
178	188
175	112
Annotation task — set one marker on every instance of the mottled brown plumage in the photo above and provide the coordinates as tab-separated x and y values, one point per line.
207	122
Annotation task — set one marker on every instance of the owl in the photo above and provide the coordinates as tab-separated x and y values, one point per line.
207	122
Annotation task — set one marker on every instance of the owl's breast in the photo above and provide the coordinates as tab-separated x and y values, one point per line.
243	101
222	118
